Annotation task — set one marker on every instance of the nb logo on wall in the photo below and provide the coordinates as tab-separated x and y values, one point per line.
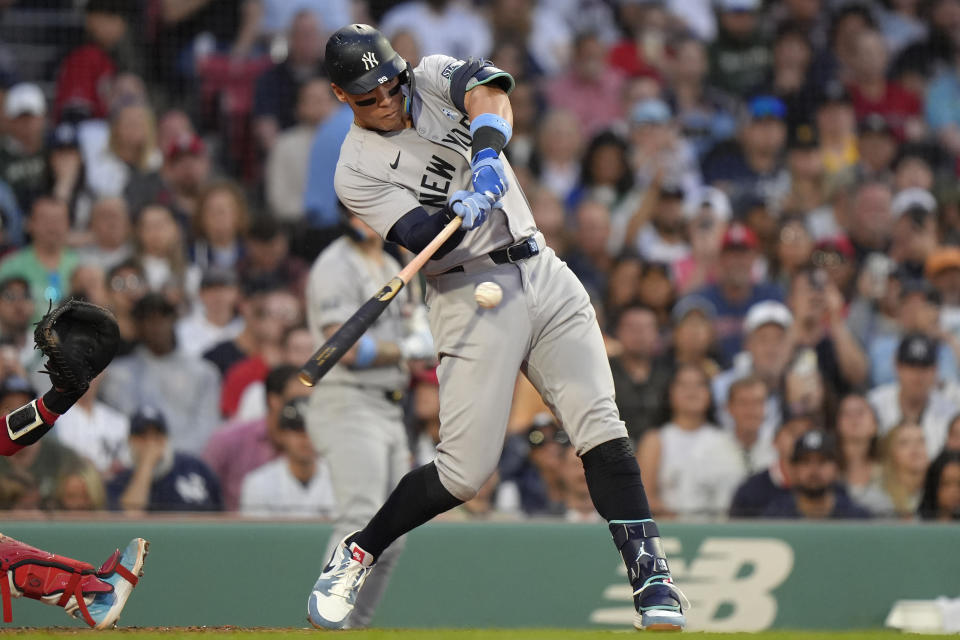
730	582
369	60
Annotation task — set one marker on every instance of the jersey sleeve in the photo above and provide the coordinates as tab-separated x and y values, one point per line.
451	79
379	204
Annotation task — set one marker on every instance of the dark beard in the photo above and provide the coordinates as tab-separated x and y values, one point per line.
814	493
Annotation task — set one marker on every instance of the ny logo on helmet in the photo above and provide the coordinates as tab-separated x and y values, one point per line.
369	61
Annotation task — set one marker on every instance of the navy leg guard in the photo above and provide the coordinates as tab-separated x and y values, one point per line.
660	604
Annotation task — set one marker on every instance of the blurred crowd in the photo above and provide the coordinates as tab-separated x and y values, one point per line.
759	195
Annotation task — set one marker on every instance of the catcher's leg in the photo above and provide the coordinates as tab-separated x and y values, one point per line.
97	596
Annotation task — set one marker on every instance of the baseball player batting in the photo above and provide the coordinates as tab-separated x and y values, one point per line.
79	340
425	146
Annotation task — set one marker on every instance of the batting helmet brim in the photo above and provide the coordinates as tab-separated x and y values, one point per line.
375	77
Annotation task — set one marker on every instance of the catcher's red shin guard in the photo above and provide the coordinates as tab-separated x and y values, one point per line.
44	576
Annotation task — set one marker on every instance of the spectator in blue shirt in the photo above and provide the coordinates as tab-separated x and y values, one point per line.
161	479
735	291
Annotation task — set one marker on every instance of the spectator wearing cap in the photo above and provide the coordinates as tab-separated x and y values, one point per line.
242	445
877	146
735	291
661	238
942	270
295	485
590	88
915	396
752	165
689	465
159	248
740	57
871	92
40	465
815	492
131	150
22	148
904	457
90	67
267	308
836	123
161	479
918	311
185	173
707	215
96	431
692	340
267	255
747	406
67	175
760	490
639	384
658	154
278	90
111	234
288	159
159	374
214	319
47	262
704	114
819	313
914	234
807	194
768	346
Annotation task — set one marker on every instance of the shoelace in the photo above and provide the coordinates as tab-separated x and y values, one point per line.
348	577
684	601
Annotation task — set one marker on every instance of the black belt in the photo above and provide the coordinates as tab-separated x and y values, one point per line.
526	248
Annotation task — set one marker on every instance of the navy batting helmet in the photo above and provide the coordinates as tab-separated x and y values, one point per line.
359	59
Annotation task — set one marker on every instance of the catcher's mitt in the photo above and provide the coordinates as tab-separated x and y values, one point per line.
79	340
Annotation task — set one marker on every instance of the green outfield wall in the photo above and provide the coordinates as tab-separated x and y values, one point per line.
740	576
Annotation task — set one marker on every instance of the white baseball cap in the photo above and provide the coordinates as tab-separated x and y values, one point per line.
25	99
711	197
913	198
767	312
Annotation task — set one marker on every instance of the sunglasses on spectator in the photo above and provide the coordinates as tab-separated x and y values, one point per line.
369	102
126	283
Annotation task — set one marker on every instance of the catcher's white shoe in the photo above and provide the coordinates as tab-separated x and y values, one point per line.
123	574
335	591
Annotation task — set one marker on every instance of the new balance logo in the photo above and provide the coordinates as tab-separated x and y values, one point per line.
369	60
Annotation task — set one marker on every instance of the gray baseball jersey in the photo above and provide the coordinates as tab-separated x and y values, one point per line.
544	325
382	176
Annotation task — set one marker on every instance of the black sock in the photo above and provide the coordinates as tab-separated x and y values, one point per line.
418	497
613	478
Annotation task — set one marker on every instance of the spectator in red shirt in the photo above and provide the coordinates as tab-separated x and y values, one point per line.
643	47
87	72
872	93
590	89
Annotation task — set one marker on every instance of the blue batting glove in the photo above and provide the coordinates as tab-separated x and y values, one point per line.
488	174
472	207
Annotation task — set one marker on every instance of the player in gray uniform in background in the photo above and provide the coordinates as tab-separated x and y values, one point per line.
425	146
355	419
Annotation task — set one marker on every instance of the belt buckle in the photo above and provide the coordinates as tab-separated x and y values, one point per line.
530	244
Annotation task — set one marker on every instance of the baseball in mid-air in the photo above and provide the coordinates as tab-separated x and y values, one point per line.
488	294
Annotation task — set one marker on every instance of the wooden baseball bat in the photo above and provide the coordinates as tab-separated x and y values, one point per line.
350	331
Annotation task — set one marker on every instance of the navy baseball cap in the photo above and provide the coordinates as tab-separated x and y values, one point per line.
761	107
147	417
815	441
917	350
693	304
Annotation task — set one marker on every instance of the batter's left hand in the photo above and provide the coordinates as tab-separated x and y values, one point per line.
473	207
489	177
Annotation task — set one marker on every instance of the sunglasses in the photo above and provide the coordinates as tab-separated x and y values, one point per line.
128	283
368	102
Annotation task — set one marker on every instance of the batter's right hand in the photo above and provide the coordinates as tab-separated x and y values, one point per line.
473	207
